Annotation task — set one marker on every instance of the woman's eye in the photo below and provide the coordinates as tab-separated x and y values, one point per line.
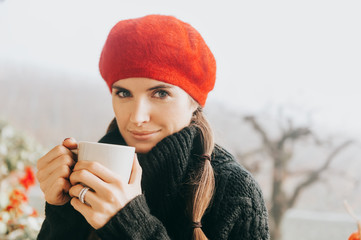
161	94
123	93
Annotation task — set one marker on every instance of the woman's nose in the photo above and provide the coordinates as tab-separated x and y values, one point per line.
140	113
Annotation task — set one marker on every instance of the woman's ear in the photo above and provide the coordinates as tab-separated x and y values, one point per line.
194	105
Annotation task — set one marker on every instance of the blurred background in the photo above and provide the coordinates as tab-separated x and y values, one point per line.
285	101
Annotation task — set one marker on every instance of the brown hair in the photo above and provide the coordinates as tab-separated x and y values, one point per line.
203	183
112	126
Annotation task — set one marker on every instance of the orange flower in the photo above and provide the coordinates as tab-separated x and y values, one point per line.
354	236
9	208
34	213
29	179
16	198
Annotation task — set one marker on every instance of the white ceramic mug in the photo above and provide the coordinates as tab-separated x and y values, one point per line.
117	158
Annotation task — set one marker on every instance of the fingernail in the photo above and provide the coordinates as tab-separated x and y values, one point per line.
70	138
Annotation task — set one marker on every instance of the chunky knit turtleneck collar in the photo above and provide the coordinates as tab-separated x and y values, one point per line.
165	171
168	160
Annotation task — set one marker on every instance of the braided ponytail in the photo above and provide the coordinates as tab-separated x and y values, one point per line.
204	183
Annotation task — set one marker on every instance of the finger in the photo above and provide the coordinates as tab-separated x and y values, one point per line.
98	170
89	197
62	172
57	193
48	182
84	209
53	154
74	191
62	165
136	174
70	143
87	178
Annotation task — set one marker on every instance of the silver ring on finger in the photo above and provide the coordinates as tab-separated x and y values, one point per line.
82	193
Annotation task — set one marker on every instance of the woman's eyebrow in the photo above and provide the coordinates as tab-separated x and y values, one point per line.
118	88
161	86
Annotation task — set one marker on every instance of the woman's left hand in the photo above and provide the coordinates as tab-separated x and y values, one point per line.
109	193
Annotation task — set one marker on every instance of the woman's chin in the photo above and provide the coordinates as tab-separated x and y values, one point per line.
143	148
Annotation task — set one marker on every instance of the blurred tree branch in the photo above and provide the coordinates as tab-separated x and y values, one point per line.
313	176
280	151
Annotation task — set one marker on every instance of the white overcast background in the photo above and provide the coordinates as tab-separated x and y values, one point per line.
304	56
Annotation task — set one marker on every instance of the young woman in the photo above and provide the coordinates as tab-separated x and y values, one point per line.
159	71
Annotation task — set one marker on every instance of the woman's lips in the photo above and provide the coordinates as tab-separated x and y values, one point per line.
143	135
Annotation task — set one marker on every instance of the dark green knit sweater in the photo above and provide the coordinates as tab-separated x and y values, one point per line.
237	210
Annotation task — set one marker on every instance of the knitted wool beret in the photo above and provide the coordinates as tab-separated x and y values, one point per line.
161	48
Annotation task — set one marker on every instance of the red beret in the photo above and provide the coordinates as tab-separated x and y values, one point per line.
162	48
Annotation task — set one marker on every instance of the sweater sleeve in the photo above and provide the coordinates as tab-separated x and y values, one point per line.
63	222
239	210
252	224
134	221
250	213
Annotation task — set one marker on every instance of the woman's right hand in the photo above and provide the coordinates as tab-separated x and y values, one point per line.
54	170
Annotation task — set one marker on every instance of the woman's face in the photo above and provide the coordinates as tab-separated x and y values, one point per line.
148	110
